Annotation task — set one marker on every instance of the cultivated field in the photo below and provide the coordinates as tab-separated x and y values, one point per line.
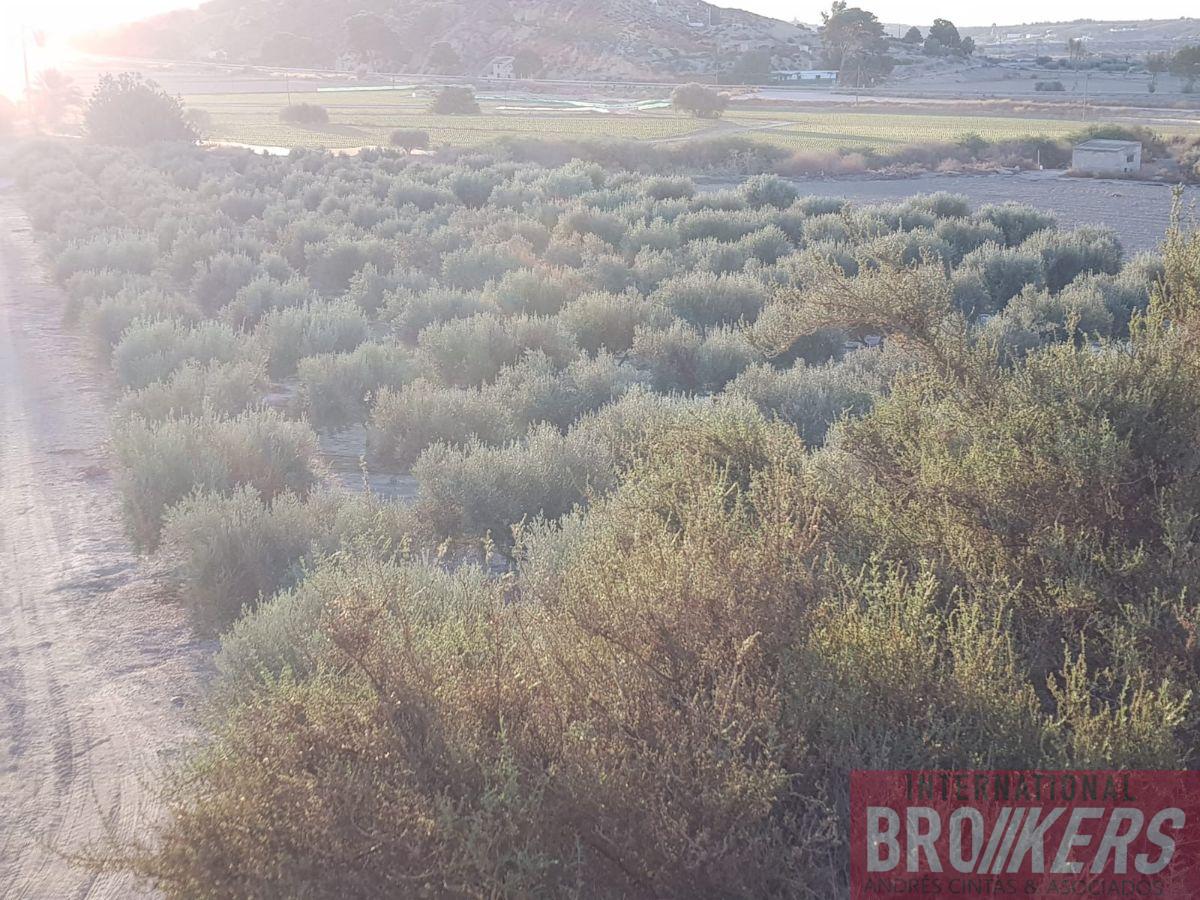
649	442
360	119
366	118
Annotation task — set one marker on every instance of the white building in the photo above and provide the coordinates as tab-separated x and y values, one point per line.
1106	157
788	76
503	68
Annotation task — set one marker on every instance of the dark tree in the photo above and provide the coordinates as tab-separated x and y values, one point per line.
444	59
455	101
410	139
286	49
753	66
130	110
527	63
1186	65
947	34
369	35
700	101
913	36
854	44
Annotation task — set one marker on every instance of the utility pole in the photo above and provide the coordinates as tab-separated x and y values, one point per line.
25	59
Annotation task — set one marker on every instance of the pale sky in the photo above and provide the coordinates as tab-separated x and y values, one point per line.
60	19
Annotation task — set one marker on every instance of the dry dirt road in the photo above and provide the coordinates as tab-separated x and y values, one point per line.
99	679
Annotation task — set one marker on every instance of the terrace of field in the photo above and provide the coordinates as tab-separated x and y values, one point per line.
366	118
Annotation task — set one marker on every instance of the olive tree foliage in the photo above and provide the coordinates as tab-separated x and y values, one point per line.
652	595
130	110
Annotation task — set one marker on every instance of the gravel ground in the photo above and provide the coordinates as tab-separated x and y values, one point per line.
99	678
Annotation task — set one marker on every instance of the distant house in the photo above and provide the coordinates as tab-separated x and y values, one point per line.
1106	157
503	68
791	76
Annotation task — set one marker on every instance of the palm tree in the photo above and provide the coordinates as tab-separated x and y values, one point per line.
54	96
1077	50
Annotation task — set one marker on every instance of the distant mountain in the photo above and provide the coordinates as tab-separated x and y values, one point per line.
1133	37
610	39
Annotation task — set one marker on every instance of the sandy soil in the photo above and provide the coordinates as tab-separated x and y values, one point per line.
99	679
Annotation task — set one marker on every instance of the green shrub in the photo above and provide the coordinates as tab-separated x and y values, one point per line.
535	390
231	550
768	190
163	462
263	295
304	114
222	389
478	490
1018	222
539	293
705	300
290	334
469	351
129	110
679	358
600	321
1066	255
992	275
338	388
406	421
412	311
151	351
455	101
106	320
409	139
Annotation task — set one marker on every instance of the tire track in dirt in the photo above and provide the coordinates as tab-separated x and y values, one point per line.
98	677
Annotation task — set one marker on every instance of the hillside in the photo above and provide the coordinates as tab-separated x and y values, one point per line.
613	39
1116	38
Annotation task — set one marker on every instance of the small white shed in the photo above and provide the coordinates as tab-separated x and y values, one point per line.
503	68
1106	157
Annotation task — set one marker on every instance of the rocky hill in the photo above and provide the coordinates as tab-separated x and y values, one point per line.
1134	38
594	39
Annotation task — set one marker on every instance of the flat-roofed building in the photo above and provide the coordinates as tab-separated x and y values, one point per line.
1107	157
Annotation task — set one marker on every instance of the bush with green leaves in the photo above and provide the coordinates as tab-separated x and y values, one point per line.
339	388
734	558
292	333
132	111
406	421
308	114
479	490
409	139
222	389
455	101
769	190
680	359
1018	221
991	276
1066	255
811	399
163	462
705	300
699	100
229	550
151	351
